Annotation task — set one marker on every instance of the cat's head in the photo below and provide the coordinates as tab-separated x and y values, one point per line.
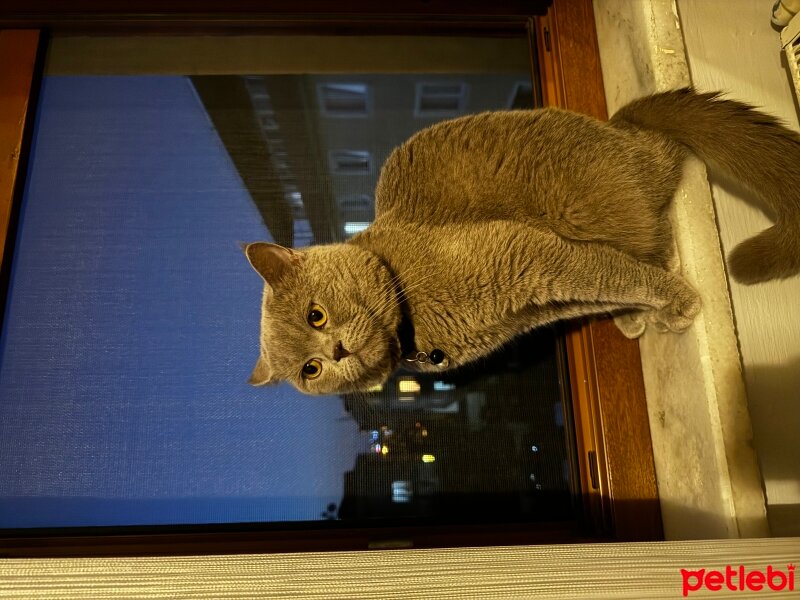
329	318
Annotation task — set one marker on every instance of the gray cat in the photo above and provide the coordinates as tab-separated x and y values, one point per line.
490	225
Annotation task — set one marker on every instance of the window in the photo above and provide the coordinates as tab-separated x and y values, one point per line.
353	227
358	208
267	120
291	205
261	103
344	99
408	385
350	162
158	326
440	99
356	202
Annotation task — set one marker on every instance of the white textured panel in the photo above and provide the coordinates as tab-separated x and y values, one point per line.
708	478
731	46
634	570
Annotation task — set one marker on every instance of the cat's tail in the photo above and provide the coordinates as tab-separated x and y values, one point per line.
747	146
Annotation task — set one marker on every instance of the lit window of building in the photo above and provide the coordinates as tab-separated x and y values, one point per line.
408	386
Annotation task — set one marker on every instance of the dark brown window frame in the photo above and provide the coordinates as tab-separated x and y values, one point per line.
617	473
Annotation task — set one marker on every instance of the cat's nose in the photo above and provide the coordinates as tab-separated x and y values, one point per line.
339	352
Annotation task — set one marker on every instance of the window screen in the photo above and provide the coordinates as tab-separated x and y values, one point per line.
131	316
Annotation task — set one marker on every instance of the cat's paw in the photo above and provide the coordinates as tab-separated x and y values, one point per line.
632	325
679	314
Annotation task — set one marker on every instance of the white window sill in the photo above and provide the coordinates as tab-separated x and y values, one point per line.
707	470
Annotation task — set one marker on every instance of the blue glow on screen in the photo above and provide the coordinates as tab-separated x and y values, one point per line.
131	328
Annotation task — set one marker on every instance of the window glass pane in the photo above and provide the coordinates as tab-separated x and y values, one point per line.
131	323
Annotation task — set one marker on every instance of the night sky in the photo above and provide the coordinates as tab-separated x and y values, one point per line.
132	326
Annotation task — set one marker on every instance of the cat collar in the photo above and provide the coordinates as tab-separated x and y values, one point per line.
408	349
436	357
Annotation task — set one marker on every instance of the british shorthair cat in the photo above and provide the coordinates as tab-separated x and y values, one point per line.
490	225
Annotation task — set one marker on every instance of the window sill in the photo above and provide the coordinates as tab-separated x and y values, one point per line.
707	470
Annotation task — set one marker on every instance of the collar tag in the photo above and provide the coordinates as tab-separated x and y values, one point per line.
436	357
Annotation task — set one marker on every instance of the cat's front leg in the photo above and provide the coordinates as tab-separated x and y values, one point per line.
676	316
593	272
632	324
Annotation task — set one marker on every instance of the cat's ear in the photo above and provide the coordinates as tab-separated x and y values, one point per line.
271	261
262	373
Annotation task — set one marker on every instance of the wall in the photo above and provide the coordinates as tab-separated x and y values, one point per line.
709	483
731	46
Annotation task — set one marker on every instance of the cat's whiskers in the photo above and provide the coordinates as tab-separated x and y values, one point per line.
385	295
395	279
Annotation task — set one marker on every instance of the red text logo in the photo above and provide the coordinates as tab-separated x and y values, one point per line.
738	579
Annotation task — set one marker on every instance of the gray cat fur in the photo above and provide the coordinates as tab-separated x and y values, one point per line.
490	225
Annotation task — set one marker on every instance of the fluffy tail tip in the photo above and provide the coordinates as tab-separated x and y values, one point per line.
772	254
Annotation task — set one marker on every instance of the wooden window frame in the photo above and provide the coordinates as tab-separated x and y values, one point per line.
612	433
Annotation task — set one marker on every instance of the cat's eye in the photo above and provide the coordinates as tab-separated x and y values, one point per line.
312	369
317	317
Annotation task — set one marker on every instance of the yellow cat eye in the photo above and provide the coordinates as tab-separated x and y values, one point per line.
317	317
312	369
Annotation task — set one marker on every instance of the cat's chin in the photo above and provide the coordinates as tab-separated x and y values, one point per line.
375	372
